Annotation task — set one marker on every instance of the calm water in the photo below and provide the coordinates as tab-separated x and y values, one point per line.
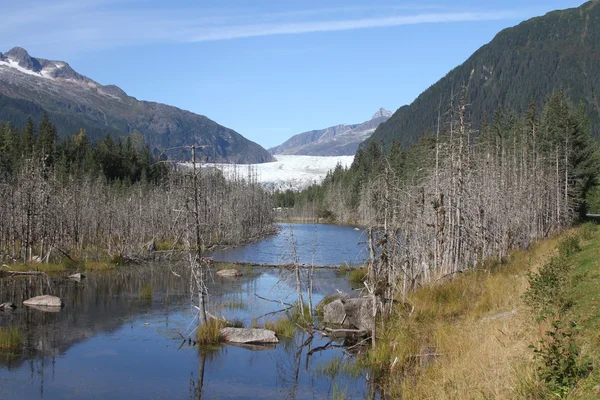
317	244
109	342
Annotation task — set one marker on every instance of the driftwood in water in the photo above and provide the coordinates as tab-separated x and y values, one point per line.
278	265
22	273
356	331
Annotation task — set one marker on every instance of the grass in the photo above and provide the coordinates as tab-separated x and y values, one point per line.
585	297
340	367
210	333
146	293
357	275
470	337
62	267
283	327
11	339
224	266
234	305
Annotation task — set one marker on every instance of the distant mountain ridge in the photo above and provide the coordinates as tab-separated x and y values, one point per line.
339	140
30	85
528	62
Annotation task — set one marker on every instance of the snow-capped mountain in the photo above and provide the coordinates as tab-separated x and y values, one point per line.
339	140
29	86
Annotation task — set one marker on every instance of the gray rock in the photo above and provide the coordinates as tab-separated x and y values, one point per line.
229	272
7	306
248	335
335	313
44	301
359	313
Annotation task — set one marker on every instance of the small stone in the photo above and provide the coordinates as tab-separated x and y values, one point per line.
77	277
7	306
229	272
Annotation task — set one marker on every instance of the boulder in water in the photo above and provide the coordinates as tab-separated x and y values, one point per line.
44	301
330	298
360	313
334	313
248	335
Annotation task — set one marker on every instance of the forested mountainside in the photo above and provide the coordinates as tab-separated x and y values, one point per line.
523	64
29	86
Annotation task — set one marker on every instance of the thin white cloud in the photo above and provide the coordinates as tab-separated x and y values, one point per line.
246	31
95	24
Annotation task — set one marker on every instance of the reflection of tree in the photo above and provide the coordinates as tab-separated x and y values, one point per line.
204	354
100	303
288	366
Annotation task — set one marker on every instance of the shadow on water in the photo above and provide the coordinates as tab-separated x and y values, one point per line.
119	336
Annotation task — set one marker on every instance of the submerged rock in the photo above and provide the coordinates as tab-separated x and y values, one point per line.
77	277
248	335
229	272
7	306
44	301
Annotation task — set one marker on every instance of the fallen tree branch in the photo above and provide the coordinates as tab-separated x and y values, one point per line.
14	273
357	331
274	312
274	301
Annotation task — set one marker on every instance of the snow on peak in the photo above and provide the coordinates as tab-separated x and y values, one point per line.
15	65
382	112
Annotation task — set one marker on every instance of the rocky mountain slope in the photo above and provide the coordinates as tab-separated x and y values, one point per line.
558	51
29	85
339	140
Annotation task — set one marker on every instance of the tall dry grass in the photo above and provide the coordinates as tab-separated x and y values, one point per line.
466	338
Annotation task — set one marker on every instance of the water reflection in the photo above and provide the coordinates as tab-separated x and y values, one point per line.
111	342
317	244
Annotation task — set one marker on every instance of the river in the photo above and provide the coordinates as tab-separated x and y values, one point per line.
109	341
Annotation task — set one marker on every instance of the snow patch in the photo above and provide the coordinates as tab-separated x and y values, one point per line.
15	65
288	172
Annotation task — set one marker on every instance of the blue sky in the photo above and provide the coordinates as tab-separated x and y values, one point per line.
267	68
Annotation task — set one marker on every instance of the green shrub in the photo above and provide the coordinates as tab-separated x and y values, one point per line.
358	275
561	365
569	246
547	287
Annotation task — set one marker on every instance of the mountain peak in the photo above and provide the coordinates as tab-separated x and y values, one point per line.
382	112
22	57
